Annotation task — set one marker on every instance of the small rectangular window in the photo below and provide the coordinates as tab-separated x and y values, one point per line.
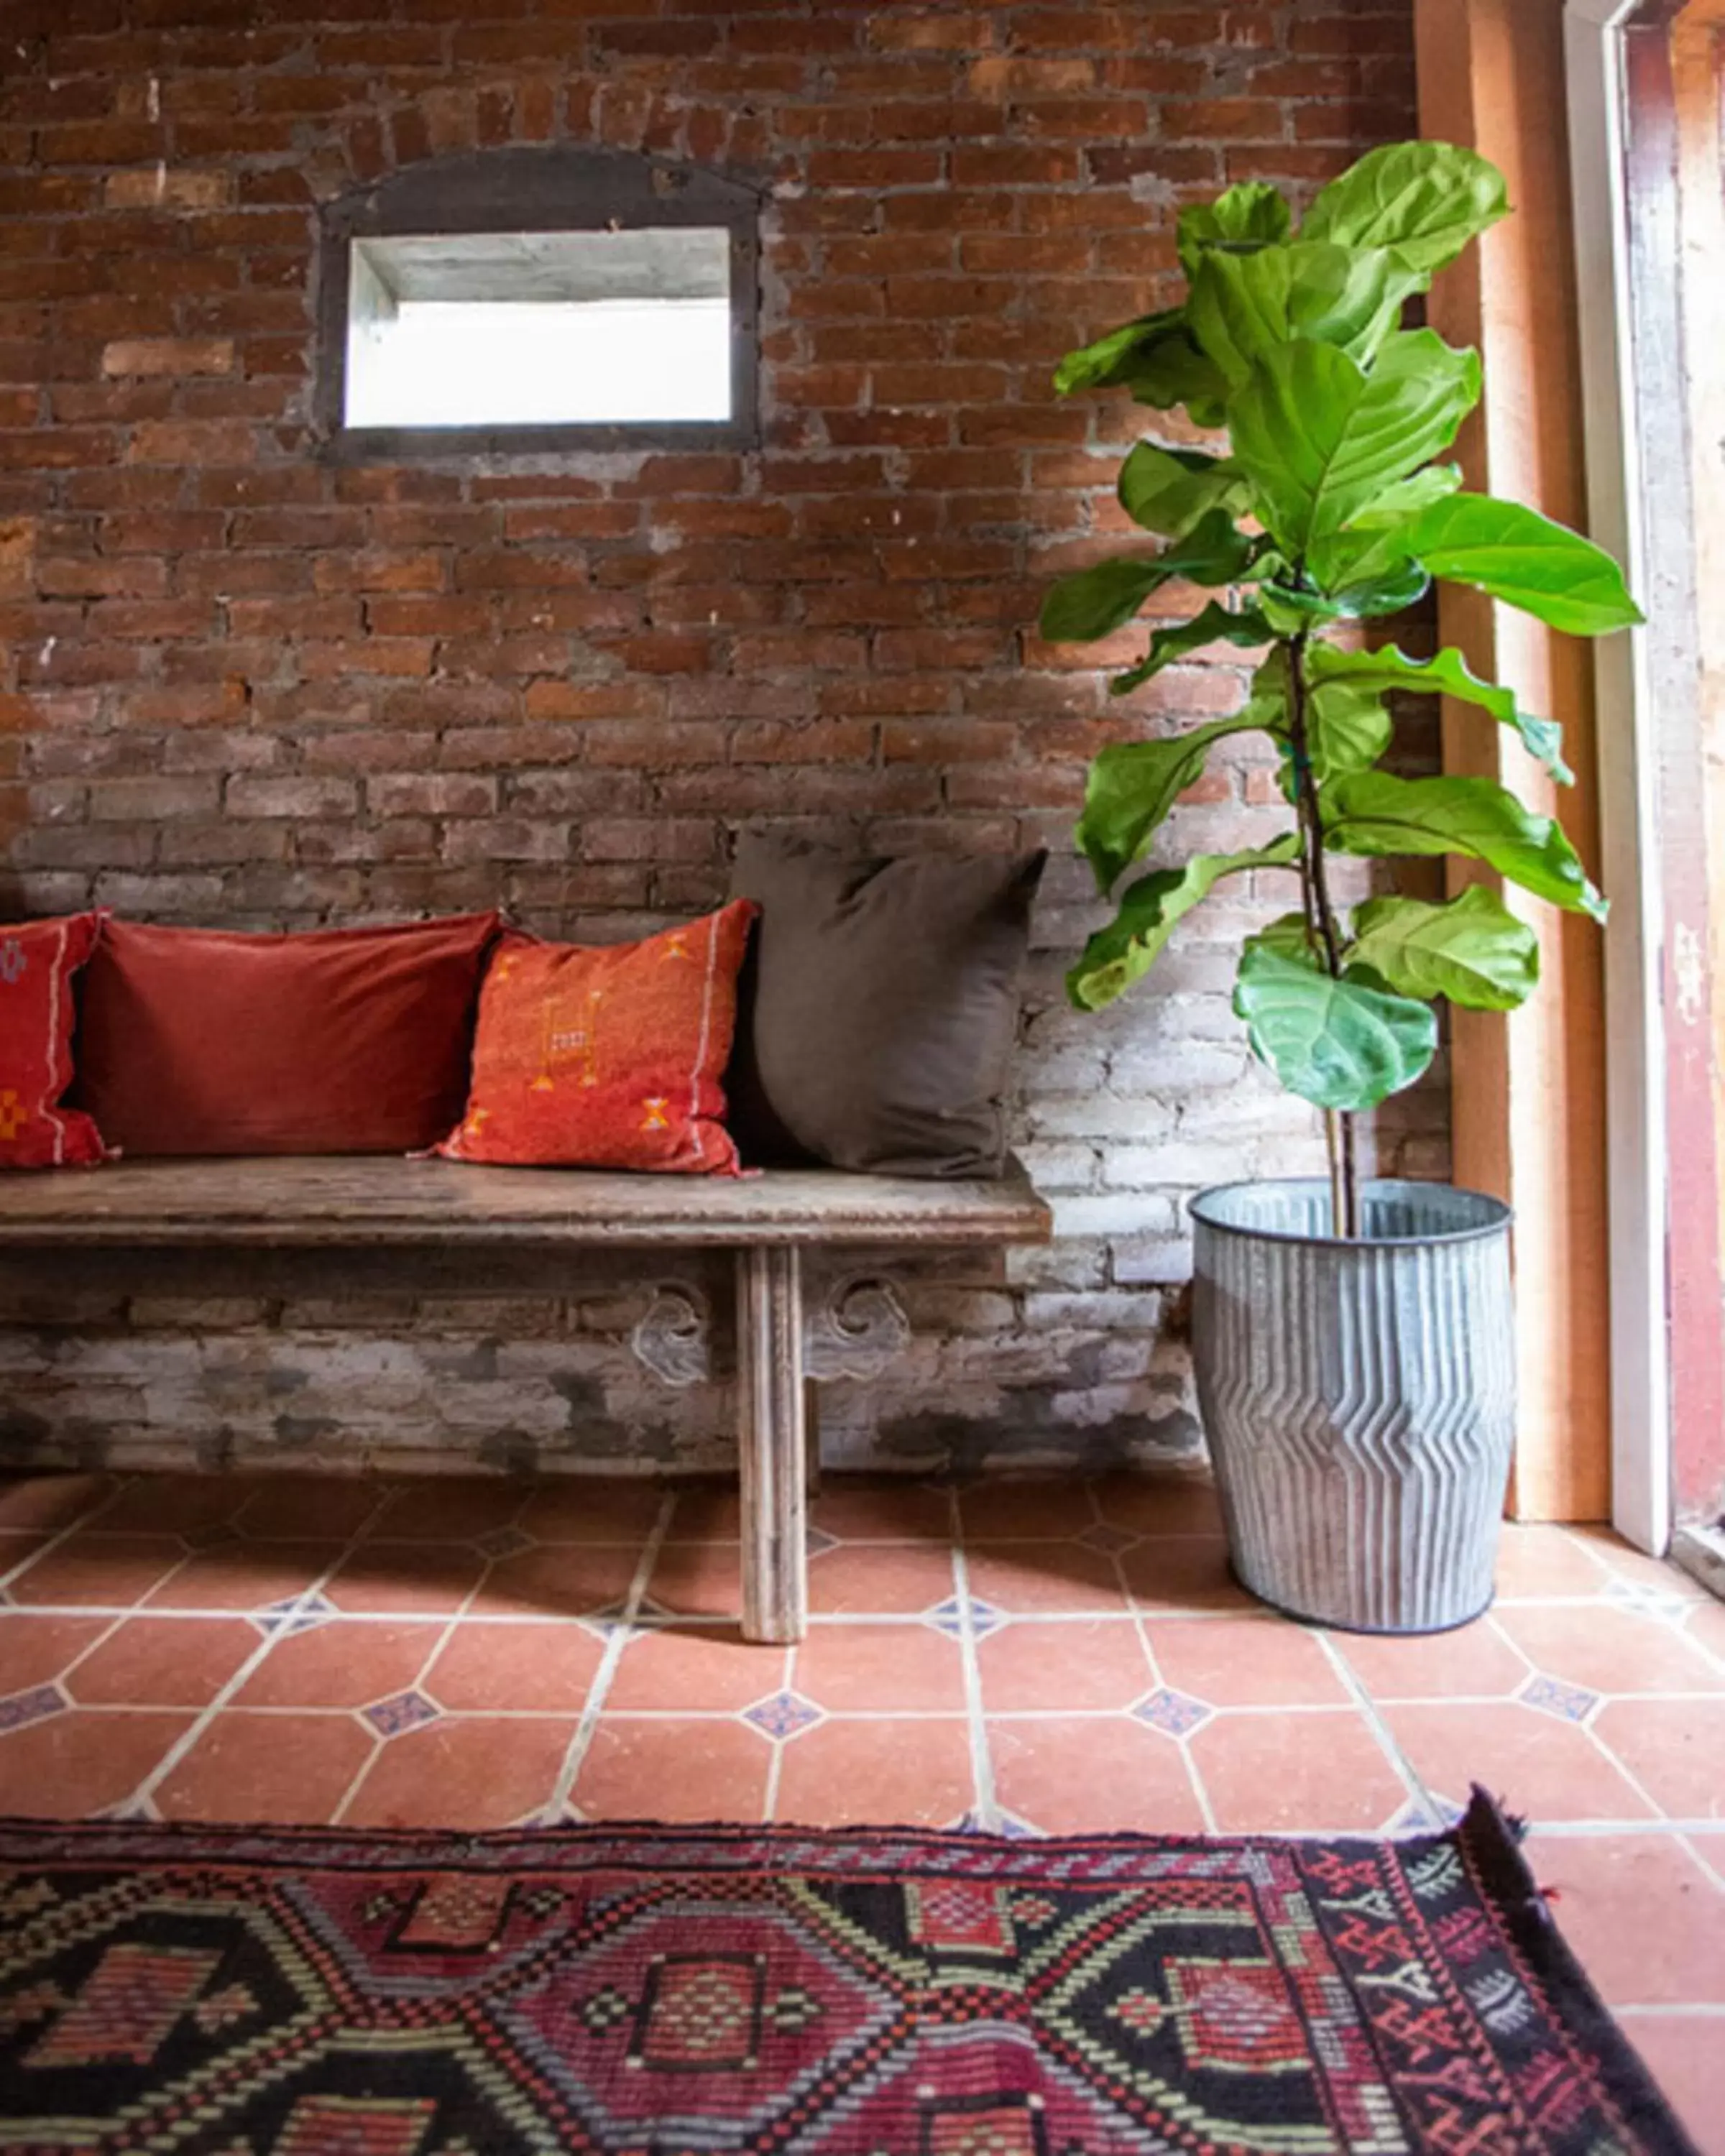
538	302
539	329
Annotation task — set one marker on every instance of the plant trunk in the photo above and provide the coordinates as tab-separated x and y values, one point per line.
1321	929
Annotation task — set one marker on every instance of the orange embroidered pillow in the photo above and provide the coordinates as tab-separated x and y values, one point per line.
607	1057
38	959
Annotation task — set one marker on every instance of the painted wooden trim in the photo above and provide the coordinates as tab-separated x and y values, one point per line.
1634	1043
771	1445
1528	1120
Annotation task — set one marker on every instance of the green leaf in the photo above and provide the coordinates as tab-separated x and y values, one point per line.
1526	559
1474	950
1394	590
1407	497
1381	816
1448	675
1375	548
1108	360
1254	214
1216	624
1290	608
1131	786
1348	730
1320	438
1290	935
1391	591
1173	370
1125	951
1094	602
1425	199
1244	306
1167	491
1345	1044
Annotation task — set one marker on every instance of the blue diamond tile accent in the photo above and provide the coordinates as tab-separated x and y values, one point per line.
1568	1702
948	1617
36	1705
1652	1601
407	1710
1017	1829
289	1616
783	1714
1175	1713
820	1542
317	1611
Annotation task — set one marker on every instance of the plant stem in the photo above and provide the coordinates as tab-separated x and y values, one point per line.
1320	926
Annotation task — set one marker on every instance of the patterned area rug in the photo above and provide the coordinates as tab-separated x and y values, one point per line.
656	1991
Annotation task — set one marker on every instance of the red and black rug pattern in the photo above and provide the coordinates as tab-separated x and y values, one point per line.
656	1991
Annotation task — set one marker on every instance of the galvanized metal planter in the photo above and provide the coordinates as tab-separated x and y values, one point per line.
1358	1396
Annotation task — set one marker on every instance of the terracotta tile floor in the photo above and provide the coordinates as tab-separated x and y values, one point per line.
474	1654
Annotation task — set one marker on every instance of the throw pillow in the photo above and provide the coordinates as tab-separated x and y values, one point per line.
347	1040
611	1056
38	960
879	1013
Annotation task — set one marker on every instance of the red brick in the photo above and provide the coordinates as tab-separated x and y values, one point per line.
168	189
515	569
219	703
1004	76
875	169
378	572
194	442
169	356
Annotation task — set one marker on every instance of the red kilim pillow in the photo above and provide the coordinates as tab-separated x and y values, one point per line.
610	1056
38	959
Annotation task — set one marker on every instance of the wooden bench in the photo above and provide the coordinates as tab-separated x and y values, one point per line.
487	1225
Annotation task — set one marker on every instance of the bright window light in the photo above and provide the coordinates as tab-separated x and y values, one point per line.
539	329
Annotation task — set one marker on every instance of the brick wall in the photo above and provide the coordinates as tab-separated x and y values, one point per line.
238	683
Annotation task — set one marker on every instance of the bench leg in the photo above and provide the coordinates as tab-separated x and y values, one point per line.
770	1445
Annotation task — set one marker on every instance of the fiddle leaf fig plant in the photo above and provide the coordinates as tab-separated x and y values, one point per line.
1331	506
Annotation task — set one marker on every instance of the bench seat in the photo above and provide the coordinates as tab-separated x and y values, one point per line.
379	1206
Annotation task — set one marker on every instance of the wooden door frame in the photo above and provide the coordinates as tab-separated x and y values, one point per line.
1668	1394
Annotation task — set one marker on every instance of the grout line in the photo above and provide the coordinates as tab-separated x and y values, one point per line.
145	1792
1711	1862
64	1534
1489	1623
1194	1774
1183	1742
982	1761
558	1802
84	1654
1426	1800
1611	1759
364	1767
775	1765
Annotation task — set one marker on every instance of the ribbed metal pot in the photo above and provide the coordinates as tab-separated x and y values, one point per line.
1358	1396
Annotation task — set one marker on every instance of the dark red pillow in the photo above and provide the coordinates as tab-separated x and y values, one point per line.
38	960
194	1041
